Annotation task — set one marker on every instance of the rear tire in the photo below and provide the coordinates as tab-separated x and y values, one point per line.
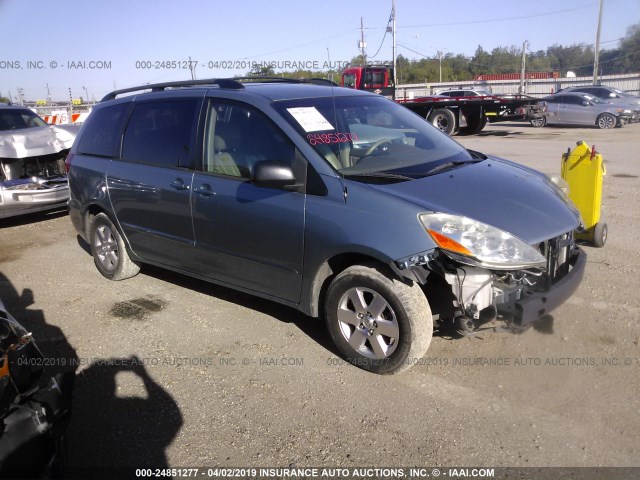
443	119
376	321
606	120
474	125
109	250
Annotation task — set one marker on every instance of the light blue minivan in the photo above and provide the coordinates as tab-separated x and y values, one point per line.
339	203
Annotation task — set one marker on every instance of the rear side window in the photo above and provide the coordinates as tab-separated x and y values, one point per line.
101	132
160	133
574	100
374	78
590	91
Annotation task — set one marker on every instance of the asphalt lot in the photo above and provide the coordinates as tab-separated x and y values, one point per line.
177	372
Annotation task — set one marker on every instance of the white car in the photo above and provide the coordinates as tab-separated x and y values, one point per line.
32	154
465	92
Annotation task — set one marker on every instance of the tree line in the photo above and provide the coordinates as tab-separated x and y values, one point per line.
457	67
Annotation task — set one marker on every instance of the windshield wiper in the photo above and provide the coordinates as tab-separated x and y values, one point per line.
477	155
393	176
444	166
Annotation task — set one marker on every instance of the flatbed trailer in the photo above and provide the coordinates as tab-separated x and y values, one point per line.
452	115
469	115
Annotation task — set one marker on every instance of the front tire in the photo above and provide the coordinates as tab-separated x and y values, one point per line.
109	250
538	121
606	120
376	321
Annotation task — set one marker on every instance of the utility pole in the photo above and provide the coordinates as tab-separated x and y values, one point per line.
596	59
524	60
192	68
440	57
362	44
393	30
49	94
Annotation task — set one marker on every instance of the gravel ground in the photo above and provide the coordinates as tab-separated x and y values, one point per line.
177	372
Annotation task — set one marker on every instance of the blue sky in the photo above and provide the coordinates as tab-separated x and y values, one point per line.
49	41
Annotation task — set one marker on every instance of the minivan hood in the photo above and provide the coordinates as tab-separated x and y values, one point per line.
515	199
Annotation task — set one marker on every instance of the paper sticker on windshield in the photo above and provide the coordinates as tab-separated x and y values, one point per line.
310	119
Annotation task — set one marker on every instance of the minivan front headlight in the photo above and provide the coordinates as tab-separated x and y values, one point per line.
477	243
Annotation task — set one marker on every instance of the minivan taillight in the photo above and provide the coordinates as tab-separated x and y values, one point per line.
67	162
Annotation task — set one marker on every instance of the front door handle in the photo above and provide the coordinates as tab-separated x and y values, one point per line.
179	184
205	190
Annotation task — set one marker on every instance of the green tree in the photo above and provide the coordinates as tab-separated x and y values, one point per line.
576	58
630	50
264	71
480	63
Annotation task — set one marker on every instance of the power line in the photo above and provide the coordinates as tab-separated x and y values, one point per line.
414	51
492	20
384	36
300	45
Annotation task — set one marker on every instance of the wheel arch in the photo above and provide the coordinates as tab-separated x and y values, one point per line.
90	212
331	267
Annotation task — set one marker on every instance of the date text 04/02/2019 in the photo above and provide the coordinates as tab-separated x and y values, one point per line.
239	64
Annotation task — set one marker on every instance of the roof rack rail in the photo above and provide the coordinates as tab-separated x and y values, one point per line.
158	87
258	78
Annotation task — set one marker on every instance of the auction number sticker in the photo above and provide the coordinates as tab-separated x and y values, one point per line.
310	119
322	138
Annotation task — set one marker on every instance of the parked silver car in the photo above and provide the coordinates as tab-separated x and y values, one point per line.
580	109
32	153
611	95
608	94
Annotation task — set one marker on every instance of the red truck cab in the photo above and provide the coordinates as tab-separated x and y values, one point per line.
373	79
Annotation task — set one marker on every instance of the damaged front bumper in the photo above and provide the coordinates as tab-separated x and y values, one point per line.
471	295
32	184
535	302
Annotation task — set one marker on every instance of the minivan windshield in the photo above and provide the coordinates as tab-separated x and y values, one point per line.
370	137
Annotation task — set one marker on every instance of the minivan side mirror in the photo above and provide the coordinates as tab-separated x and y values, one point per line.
272	174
